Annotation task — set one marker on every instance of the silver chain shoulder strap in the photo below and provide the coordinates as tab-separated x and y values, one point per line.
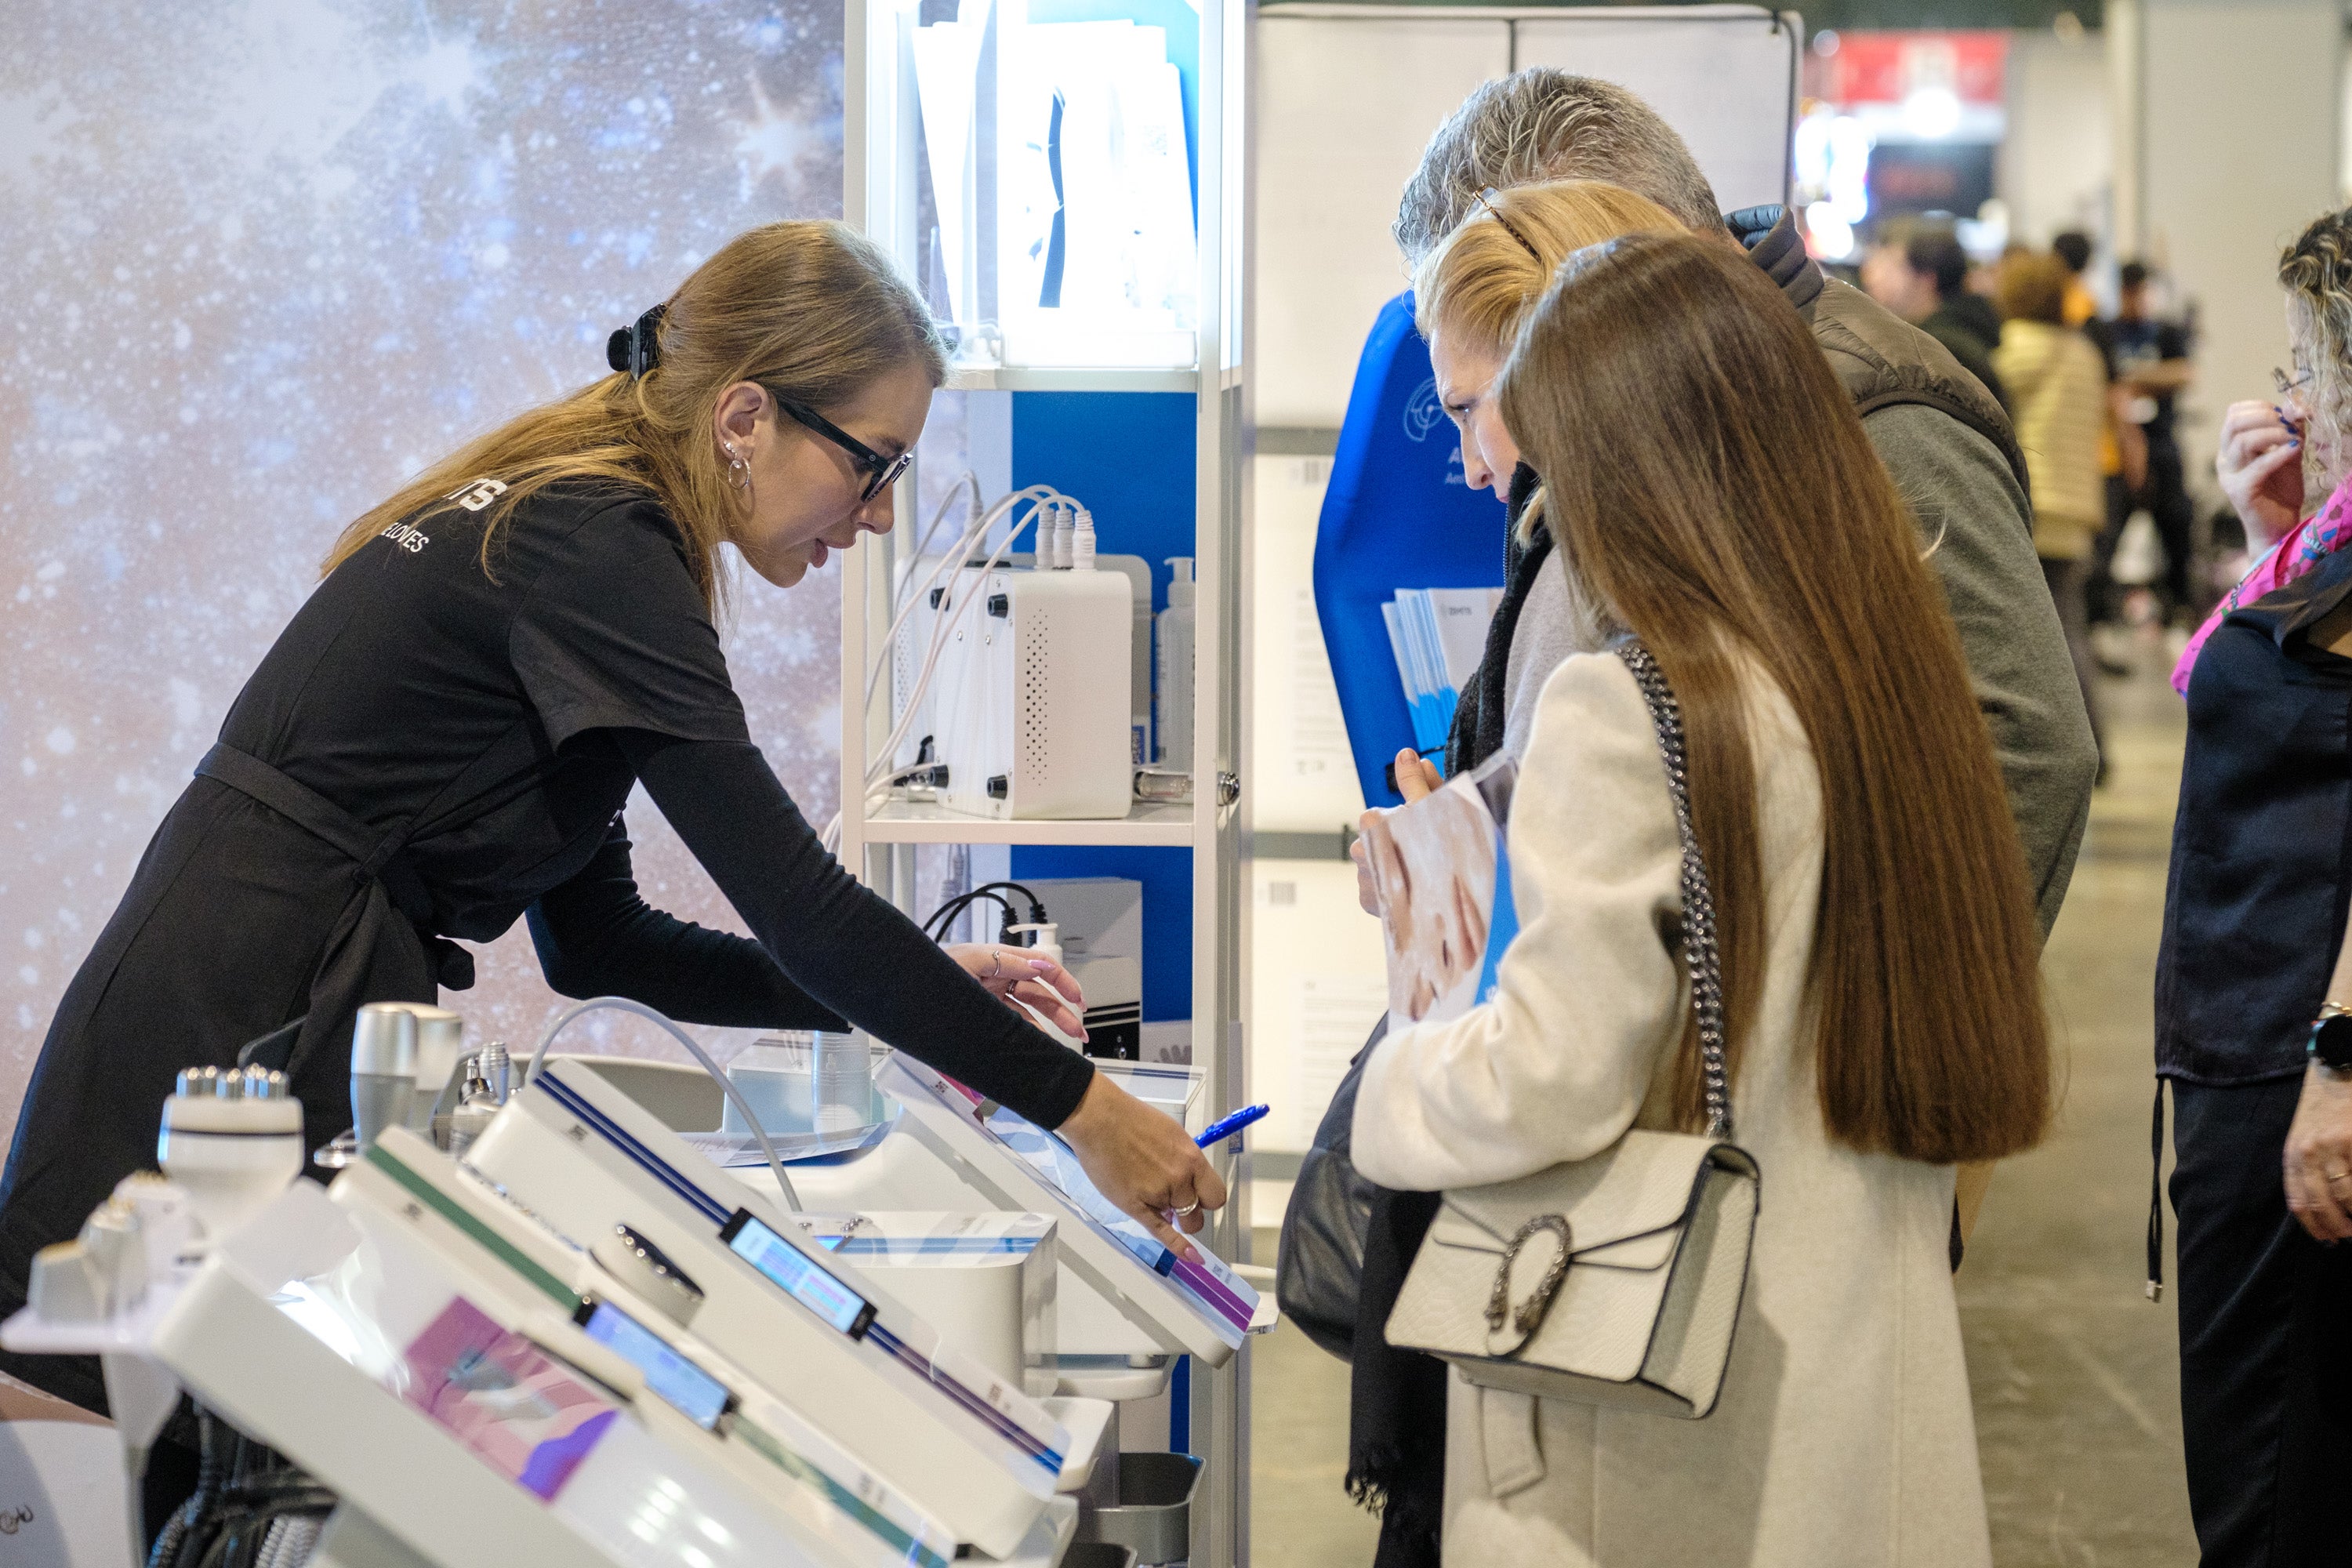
1700	954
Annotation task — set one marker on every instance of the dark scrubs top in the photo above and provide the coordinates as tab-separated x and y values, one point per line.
491	724
2254	909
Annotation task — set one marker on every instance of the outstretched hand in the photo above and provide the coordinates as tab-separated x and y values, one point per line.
1017	974
1144	1163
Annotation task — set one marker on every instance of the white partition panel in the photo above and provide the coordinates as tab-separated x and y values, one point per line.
2219	191
1723	75
1345	105
1346	99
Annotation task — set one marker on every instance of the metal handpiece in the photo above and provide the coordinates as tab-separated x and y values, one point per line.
383	1068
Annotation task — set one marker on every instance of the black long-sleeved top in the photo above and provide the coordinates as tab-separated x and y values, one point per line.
495	712
854	957
438	744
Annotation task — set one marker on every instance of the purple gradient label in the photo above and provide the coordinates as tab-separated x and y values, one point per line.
519	1411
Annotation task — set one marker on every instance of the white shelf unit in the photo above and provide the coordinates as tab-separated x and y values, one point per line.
1031	378
881	195
1146	826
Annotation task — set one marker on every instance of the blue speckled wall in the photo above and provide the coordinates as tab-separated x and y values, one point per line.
263	257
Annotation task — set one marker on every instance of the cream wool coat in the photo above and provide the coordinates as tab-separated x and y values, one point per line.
1844	1437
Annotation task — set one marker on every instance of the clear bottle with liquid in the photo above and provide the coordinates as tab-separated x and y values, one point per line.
1172	701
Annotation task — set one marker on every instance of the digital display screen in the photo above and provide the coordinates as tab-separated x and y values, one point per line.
796	1276
684	1387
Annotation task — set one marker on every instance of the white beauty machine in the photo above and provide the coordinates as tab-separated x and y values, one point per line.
490	1394
1121	1294
932	1420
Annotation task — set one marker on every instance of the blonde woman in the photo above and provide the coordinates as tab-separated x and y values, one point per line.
1469	297
2057	386
1878	941
442	740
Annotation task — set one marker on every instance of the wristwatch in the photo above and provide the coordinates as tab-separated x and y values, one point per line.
2331	1039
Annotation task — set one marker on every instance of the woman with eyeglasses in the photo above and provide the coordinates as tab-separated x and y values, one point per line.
442	740
2254	976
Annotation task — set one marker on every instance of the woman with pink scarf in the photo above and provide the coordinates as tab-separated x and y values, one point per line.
2254	926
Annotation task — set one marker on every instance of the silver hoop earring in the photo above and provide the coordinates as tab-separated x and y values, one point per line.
739	472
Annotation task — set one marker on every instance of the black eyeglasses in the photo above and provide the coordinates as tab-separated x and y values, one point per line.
879	470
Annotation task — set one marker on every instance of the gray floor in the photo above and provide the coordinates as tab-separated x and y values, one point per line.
2077	1407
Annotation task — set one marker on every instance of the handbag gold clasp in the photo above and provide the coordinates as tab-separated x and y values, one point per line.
1530	1312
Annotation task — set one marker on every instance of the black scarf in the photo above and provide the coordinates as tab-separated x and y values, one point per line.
1479	716
1396	1414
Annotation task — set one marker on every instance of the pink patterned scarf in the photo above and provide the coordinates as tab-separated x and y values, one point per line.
2305	545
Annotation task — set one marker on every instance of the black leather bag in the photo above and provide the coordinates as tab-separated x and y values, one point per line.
1320	1265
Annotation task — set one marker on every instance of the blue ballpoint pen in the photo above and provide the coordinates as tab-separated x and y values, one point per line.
1227	1127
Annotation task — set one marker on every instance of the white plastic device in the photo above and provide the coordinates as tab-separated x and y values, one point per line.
1101	923
296	1330
992	1276
1110	1301
782	1458
937	1423
1031	700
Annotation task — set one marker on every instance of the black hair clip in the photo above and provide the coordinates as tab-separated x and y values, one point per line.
1488	198
637	349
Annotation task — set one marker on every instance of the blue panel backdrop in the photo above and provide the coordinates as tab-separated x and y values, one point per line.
1130	457
265	258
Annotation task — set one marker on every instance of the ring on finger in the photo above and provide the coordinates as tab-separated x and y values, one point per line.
1192	1207
996	963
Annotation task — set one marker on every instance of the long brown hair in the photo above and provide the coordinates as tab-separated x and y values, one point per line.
813	310
1705	474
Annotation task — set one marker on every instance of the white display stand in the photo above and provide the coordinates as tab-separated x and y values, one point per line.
1348	96
978	1452
884	178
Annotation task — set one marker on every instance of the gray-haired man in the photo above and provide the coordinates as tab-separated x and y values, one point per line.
1943	438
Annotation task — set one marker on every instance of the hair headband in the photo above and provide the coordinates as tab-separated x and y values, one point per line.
1486	199
636	348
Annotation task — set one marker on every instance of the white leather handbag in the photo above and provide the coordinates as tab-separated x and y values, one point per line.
1614	1281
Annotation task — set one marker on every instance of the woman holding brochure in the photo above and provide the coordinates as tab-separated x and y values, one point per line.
1710	487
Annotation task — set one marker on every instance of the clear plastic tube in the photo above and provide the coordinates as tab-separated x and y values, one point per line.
725	1085
971	536
941	636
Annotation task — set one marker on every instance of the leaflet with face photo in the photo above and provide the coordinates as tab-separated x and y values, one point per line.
1443	875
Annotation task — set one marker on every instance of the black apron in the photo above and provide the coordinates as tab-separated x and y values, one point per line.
196	962
424	753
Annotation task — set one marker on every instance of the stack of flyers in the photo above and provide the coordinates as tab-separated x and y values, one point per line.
1438	635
